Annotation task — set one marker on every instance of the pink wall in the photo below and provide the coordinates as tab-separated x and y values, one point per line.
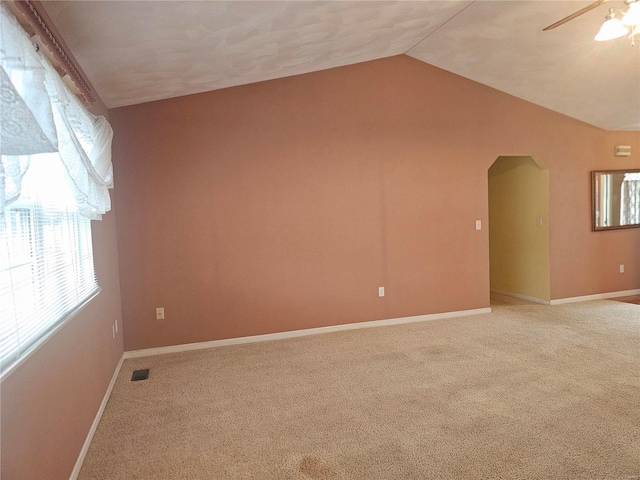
49	403
283	205
585	262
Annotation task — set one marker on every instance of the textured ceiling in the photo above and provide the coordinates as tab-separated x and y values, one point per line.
135	52
501	44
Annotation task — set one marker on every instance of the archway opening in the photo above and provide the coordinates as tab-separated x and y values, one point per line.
519	228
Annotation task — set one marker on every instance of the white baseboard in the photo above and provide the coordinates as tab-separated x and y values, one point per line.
522	297
96	421
299	333
598	296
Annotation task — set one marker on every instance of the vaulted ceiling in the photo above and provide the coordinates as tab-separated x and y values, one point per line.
136	52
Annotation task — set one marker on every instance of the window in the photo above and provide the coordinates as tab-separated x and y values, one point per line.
46	267
630	199
55	172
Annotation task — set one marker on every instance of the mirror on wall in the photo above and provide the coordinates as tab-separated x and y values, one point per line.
616	199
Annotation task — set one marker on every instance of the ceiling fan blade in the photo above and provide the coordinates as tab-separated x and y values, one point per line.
586	9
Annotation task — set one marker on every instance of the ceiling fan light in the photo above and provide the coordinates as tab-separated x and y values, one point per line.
632	17
612	28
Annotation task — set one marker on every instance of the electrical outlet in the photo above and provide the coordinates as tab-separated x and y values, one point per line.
539	221
478	224
381	291
160	313
621	268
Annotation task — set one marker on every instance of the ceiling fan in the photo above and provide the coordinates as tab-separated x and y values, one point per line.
612	27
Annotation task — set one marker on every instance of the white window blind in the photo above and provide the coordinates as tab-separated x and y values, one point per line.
46	267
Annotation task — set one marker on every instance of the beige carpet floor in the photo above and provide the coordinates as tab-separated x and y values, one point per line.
525	392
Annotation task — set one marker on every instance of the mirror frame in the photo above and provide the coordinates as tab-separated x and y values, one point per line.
594	200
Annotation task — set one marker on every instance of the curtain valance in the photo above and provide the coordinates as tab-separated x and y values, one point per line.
39	114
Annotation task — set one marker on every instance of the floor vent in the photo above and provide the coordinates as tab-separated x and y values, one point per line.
140	375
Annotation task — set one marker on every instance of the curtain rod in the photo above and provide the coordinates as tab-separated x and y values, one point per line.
41	24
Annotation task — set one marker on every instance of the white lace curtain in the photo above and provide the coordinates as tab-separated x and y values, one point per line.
39	114
630	200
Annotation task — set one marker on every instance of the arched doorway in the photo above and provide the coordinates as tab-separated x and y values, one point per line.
519	228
